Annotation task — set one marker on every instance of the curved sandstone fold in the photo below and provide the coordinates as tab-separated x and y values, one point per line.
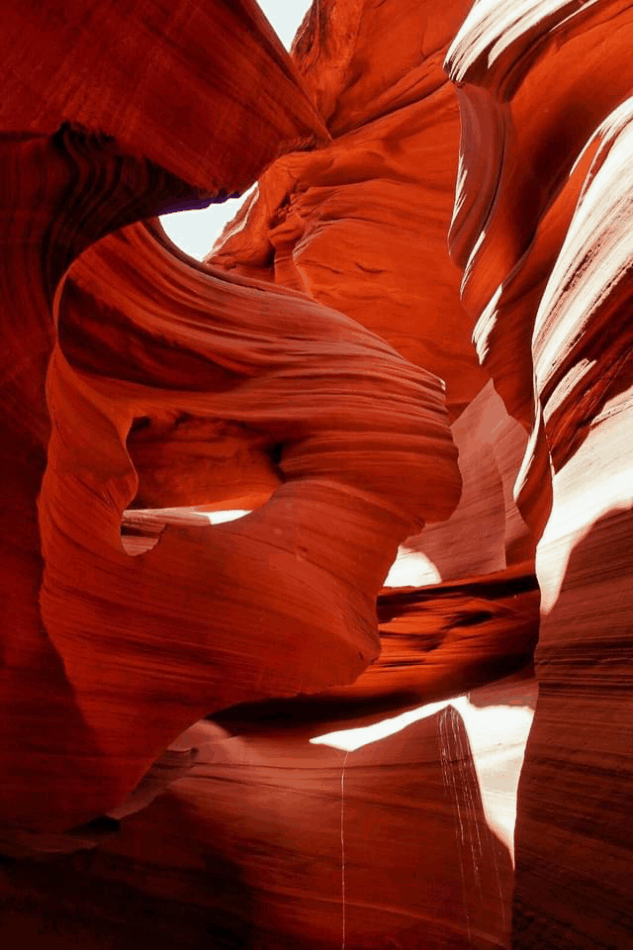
113	67
522	169
307	394
361	224
327	396
583	358
543	226
279	602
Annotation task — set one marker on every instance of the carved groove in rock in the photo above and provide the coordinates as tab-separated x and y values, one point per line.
407	364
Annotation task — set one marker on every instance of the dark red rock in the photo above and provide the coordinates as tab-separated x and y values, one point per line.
332	371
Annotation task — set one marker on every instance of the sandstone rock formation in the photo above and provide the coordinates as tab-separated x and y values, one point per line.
544	236
413	345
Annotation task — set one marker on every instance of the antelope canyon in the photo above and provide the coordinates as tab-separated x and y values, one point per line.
316	567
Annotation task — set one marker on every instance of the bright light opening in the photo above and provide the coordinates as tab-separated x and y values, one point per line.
195	232
412	569
141	528
221	517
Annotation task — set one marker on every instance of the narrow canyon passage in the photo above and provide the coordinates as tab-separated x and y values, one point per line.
316	475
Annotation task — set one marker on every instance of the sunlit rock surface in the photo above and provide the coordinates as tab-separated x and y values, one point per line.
543	228
298	541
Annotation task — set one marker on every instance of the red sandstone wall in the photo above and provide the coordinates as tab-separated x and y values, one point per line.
421	317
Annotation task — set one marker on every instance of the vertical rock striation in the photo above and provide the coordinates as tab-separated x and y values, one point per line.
413	345
542	226
279	603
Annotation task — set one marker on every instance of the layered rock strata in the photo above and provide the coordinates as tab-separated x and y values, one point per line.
542	226
331	372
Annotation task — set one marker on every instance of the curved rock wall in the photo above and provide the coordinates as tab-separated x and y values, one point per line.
413	345
291	380
542	226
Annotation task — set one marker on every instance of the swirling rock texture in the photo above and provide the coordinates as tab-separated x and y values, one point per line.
542	226
306	727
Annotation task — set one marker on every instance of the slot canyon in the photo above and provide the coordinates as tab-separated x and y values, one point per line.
316	569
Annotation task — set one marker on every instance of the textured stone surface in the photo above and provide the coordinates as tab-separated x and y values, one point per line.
361	224
408	364
258	845
543	225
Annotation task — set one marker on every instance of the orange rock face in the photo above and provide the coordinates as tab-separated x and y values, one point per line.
361	224
544	235
408	362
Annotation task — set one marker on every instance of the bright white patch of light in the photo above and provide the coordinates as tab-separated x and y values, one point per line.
195	232
348	740
220	517
497	737
570	516
285	16
412	569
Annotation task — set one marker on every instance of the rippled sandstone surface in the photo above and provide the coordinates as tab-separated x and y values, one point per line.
409	358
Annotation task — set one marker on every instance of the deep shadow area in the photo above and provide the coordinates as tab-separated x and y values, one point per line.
104	900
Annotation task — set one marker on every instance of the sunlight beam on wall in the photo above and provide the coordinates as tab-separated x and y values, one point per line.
497	737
